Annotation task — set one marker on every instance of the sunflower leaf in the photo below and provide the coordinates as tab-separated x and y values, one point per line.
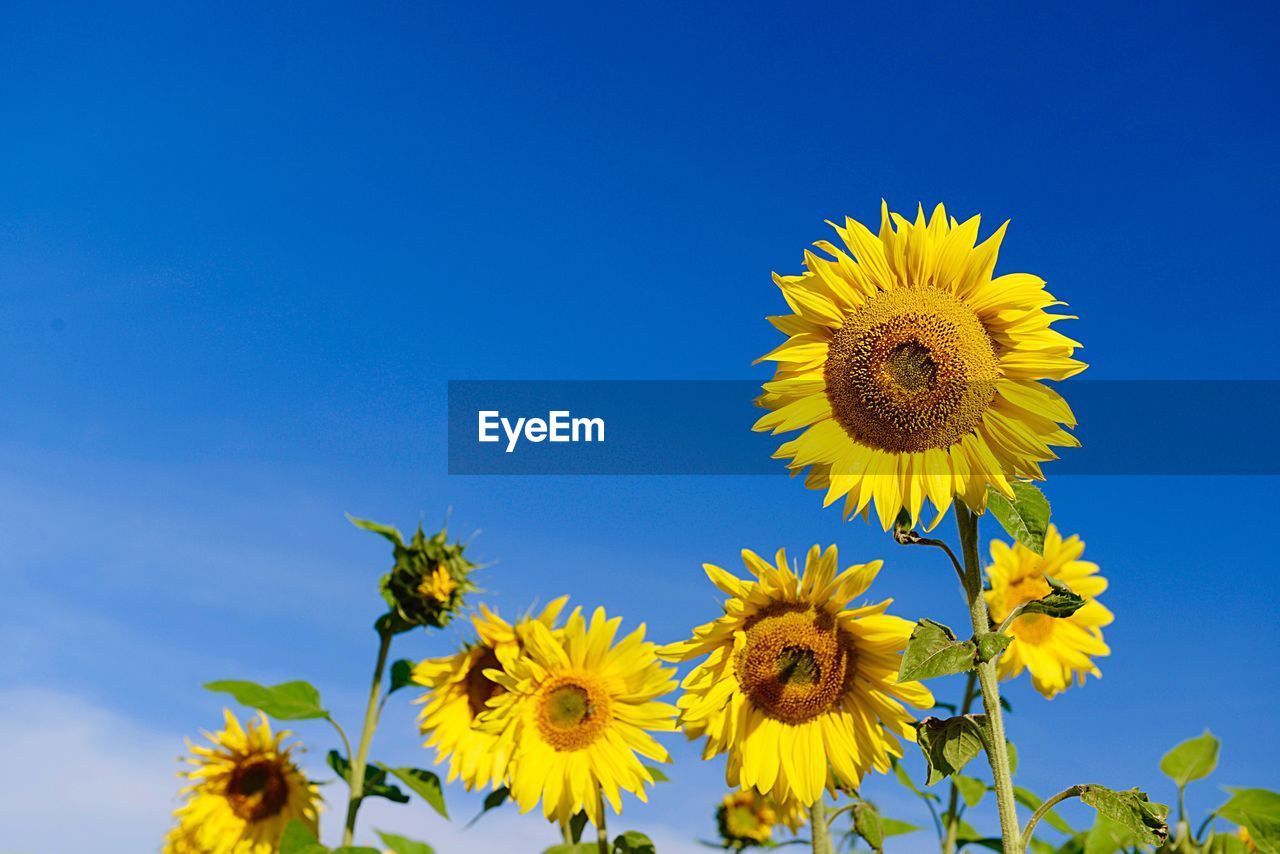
1060	602
971	788
1025	518
1131	809
949	745
375	779
298	839
633	842
991	644
1194	759
424	783
1258	811
867	824
493	800
288	701
934	651
400	845
401	675
895	827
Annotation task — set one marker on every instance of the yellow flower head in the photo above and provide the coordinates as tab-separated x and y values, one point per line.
242	792
576	716
913	373
458	691
1057	652
794	682
747	818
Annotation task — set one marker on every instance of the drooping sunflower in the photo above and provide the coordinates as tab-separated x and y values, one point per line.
746	818
795	683
1057	651
576	715
913	372
458	691
242	792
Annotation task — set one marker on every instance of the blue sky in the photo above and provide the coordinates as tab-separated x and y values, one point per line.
243	250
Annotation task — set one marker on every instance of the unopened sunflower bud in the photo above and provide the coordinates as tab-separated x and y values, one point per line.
426	585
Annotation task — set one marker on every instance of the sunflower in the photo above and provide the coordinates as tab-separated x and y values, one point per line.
243	791
746	818
576	714
1058	652
794	683
458	690
913	373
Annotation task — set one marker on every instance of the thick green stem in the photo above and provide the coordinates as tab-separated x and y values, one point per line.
997	746
819	833
602	832
360	761
953	805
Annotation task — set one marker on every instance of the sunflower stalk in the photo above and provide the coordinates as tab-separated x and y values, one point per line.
820	832
995	743
952	830
360	761
602	831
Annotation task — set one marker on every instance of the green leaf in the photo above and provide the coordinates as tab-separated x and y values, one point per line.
424	783
905	780
991	644
971	788
1194	759
656	773
400	845
633	842
493	800
1013	757
401	675
573	848
298	839
288	701
1032	801
387	531
375	779
949	745
867	824
1131	809
1107	837
577	823
894	827
1258	811
1059	602
934	651
1026	518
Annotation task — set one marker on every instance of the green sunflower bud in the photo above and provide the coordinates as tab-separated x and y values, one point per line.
426	585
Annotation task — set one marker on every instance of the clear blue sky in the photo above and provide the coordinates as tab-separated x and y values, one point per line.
243	250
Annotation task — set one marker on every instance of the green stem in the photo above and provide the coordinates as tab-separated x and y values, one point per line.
818	830
1043	810
602	833
997	746
360	761
953	805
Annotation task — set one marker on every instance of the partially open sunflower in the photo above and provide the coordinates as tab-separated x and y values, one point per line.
914	373
800	690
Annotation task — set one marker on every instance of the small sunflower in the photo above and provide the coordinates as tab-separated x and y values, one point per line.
458	690
794	684
747	818
913	373
1058	652
576	715
243	791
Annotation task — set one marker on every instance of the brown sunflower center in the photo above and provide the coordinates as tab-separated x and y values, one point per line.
911	370
572	711
795	663
480	688
257	788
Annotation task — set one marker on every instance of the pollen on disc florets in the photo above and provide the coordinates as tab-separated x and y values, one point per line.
257	789
794	663
572	711
912	370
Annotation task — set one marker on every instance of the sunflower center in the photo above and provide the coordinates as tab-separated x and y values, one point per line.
257	789
572	712
795	663
480	688
912	370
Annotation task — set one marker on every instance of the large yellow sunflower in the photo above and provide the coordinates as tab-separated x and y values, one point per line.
458	690
794	682
576	716
913	373
1057	651
243	791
